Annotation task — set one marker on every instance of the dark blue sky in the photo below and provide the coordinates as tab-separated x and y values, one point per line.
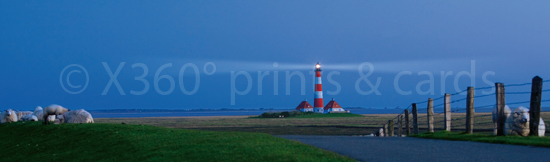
509	41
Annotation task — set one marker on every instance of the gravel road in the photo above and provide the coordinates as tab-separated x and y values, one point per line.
417	149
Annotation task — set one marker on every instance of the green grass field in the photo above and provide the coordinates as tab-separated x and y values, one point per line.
515	140
324	124
32	141
275	126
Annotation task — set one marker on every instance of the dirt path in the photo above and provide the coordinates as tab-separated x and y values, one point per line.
416	149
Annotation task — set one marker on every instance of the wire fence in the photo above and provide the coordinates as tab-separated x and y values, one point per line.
466	120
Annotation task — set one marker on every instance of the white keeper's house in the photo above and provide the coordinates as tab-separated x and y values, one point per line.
304	107
334	107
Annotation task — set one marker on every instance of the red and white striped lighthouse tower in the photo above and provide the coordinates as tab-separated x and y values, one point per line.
318	96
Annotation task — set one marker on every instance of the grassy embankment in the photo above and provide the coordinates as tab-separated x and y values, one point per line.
32	141
515	140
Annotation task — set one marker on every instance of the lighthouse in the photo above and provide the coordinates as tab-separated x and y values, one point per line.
318	95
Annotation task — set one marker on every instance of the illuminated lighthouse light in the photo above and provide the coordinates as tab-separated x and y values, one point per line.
318	95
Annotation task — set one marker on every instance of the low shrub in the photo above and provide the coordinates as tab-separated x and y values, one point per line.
284	114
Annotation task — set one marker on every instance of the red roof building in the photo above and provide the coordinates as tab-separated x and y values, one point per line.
333	106
304	107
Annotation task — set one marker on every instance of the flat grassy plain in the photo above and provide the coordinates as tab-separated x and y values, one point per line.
275	126
331	115
361	125
32	141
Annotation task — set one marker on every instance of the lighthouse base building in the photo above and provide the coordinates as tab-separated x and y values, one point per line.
319	110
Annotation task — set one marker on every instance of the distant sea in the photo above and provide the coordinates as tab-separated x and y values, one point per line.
136	113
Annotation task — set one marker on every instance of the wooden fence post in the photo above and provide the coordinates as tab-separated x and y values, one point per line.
386	133
534	109
391	128
400	125
431	115
447	108
501	102
470	110
407	124
415	118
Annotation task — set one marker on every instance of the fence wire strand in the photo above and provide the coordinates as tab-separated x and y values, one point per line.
484	95
462	99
